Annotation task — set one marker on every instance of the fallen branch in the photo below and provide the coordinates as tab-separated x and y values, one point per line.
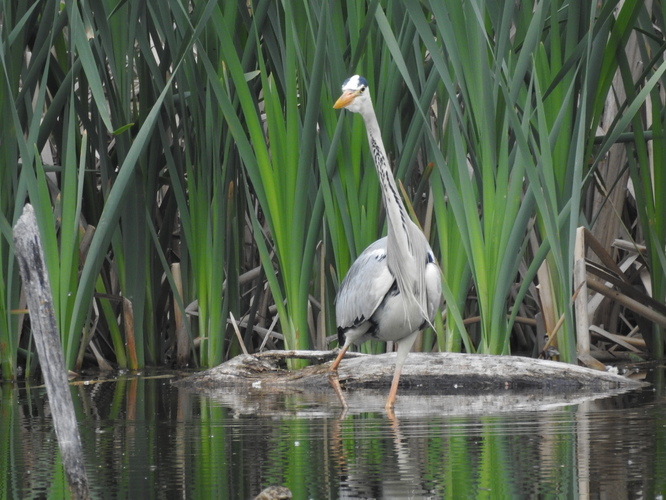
423	373
628	302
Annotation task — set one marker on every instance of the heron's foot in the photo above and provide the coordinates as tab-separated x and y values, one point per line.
334	380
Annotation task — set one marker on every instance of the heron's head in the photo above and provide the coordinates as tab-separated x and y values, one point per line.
355	94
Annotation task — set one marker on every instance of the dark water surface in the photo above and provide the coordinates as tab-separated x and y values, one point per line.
145	438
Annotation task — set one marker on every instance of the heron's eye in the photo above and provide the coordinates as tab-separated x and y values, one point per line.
361	90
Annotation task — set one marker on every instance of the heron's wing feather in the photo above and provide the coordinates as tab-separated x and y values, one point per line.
364	287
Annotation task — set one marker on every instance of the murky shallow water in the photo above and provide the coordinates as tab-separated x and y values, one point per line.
145	438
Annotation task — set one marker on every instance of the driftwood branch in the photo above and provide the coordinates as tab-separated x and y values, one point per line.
431	372
37	290
431	383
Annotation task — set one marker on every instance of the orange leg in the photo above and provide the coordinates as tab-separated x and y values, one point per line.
404	347
336	363
333	377
390	402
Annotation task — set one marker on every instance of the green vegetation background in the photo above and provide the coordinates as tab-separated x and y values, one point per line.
187	168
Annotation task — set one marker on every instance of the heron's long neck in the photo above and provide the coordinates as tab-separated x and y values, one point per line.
402	257
395	209
407	247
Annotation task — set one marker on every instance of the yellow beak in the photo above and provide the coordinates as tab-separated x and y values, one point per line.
345	99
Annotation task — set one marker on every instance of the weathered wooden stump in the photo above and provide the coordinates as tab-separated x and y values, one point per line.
37	290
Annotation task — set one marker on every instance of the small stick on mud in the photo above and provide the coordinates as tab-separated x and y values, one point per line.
37	289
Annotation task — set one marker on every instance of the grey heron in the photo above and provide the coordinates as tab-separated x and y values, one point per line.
394	288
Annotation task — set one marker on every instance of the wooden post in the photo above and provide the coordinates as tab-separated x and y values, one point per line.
580	304
580	280
182	336
37	288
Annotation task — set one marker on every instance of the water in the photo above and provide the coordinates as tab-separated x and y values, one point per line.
145	438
